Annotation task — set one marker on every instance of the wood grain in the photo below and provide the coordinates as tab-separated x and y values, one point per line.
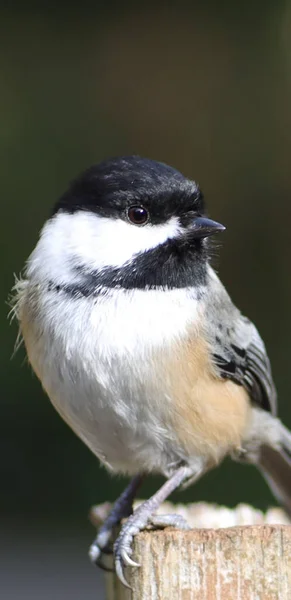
235	563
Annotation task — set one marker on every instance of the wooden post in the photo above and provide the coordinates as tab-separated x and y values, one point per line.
243	562
239	563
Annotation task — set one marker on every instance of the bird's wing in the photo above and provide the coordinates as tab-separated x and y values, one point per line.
238	350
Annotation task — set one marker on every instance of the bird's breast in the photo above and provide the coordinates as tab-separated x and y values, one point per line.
131	374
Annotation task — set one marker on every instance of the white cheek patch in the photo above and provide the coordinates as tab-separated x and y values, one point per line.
84	238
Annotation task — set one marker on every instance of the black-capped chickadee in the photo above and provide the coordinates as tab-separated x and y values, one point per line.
138	345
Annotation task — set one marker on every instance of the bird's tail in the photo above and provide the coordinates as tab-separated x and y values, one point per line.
276	468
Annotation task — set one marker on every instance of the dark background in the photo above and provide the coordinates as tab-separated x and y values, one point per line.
205	87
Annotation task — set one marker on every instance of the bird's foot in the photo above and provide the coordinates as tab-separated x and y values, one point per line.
141	518
121	509
171	520
101	546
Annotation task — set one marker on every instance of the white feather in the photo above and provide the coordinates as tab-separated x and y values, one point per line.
85	238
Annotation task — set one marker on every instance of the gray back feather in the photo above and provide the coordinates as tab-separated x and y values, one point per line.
238	350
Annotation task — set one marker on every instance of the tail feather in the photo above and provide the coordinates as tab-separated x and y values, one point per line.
275	465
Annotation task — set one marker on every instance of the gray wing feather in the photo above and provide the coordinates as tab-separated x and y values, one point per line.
238	350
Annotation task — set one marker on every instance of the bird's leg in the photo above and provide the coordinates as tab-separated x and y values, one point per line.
121	508
142	517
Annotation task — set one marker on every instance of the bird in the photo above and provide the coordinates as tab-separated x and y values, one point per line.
138	345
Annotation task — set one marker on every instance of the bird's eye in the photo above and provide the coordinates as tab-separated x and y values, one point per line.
138	215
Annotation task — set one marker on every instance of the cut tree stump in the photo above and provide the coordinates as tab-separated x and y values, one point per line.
220	562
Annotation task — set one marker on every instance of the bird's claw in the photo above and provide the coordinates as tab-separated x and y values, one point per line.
125	554
111	518
94	553
137	521
122	547
119	572
101	546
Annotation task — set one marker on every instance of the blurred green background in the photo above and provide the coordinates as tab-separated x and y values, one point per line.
205	87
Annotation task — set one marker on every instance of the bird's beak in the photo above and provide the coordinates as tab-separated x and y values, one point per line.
202	227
